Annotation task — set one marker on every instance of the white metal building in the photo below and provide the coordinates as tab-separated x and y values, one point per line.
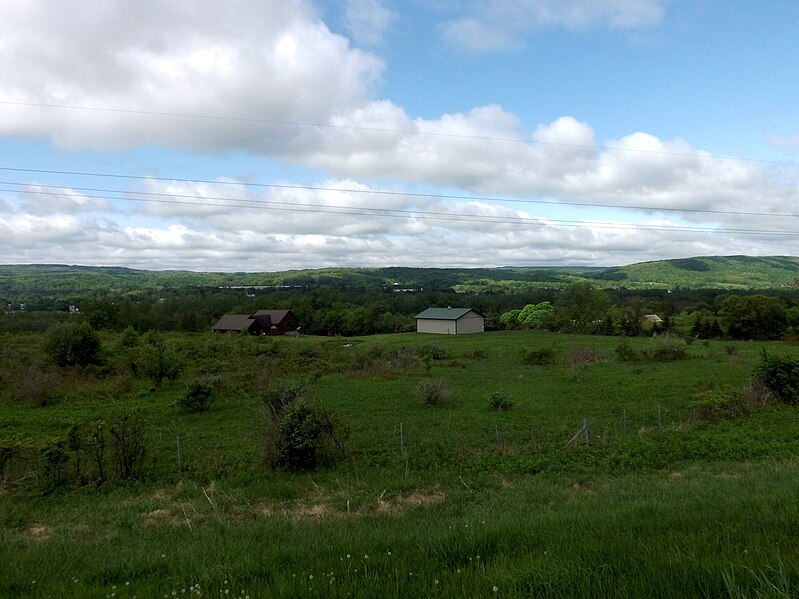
450	321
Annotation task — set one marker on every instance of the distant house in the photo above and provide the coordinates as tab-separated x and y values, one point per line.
651	319
450	321
263	322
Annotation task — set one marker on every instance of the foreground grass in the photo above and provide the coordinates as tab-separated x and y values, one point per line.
450	500
726	531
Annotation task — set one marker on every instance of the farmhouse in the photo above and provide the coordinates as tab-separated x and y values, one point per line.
450	321
263	322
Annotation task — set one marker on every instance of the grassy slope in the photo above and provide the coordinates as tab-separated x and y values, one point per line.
479	499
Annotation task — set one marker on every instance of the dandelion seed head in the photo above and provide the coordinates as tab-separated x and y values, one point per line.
495	589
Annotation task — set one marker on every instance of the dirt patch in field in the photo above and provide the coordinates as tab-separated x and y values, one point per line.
399	503
40	533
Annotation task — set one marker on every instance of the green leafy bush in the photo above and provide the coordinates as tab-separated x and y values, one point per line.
499	401
199	396
157	359
780	375
298	444
625	352
71	344
300	432
668	348
538	357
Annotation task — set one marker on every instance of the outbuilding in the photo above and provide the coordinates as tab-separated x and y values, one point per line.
450	321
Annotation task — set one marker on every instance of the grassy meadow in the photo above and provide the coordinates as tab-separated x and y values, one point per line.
606	478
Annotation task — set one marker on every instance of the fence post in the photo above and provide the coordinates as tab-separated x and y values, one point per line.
177	441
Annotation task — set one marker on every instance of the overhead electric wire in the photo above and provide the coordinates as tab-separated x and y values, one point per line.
381	192
264	121
262	204
160	198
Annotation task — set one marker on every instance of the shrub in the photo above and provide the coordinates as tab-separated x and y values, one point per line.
780	375
580	357
433	392
722	404
37	388
198	397
499	401
300	433
128	444
158	360
434	351
668	348
71	344
538	357
625	352
298	443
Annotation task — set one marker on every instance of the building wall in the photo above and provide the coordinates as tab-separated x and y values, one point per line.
429	325
471	322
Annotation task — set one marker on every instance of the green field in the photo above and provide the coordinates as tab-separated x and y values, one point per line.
654	499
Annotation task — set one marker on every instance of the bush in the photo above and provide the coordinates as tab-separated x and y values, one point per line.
128	444
71	344
37	388
722	404
668	348
625	352
433	393
434	351
298	444
158	360
198	397
538	357
780	375
499	401
300	433
580	357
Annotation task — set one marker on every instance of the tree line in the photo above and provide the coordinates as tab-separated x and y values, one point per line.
326	310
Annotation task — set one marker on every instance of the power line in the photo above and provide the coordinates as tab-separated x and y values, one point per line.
396	213
263	121
379	192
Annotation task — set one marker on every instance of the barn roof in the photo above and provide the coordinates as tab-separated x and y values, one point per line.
445	313
274	316
234	322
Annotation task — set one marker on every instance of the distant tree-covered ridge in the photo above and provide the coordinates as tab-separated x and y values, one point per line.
714	272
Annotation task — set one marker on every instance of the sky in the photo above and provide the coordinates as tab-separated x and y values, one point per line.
269	135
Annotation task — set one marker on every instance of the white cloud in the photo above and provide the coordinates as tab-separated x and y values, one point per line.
42	200
503	24
347	223
368	20
271	60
